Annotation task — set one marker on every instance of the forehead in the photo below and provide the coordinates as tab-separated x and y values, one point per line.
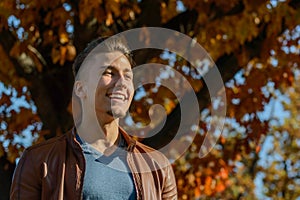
113	58
96	61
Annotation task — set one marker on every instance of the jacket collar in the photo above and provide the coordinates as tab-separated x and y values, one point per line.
71	136
131	143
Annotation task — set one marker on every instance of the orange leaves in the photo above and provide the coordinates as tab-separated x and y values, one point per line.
5	100
168	11
28	18
281	13
226	6
28	57
49	37
87	8
59	17
48	18
13	152
63	38
71	53
113	7
6	6
117	8
15	118
109	19
19	121
129	12
247	28
223	28
8	74
107	13
191	4
17	49
208	185
63	53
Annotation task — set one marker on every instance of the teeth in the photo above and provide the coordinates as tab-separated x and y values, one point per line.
117	96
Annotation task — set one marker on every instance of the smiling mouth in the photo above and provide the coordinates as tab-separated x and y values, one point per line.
117	96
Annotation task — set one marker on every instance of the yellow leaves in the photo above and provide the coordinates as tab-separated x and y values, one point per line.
169	105
71	53
93	9
87	8
246	28
113	7
84	11
63	53
109	19
129	12
56	19
168	10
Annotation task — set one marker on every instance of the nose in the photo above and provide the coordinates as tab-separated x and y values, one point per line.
121	82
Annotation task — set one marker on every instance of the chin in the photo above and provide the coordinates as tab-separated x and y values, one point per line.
117	114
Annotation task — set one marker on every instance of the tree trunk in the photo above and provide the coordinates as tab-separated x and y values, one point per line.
6	173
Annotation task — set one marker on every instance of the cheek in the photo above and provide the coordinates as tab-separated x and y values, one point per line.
104	83
131	91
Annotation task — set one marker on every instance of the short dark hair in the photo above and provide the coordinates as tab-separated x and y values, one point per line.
110	44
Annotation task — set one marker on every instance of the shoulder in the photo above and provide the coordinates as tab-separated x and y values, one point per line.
47	144
46	150
155	155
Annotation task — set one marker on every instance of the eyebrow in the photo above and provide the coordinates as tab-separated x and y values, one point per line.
113	68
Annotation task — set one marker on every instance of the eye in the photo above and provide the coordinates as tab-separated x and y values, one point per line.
128	76
108	72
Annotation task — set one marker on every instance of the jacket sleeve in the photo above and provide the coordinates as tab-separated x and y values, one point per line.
26	183
170	189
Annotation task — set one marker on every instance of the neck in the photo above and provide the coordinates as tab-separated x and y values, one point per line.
100	135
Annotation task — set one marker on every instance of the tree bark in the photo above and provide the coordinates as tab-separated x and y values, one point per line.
6	173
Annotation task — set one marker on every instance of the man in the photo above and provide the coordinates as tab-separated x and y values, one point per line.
96	159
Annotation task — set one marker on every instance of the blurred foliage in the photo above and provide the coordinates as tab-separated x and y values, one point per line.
281	172
254	43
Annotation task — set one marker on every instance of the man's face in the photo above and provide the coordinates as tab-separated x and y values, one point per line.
109	80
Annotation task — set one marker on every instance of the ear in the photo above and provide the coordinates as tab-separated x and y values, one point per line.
80	89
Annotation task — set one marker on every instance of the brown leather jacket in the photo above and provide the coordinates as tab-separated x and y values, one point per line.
54	170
